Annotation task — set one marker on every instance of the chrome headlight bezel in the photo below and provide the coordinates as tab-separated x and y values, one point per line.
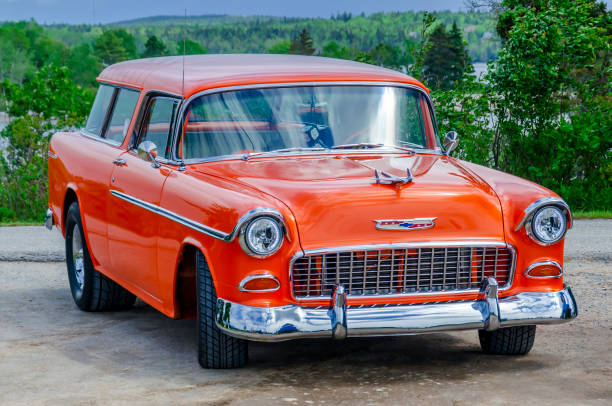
245	236
537	207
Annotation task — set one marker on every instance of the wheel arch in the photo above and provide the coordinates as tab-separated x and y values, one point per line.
70	196
184	292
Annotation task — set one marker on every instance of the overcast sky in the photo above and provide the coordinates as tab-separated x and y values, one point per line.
105	11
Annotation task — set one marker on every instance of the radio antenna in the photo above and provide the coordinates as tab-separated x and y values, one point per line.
184	41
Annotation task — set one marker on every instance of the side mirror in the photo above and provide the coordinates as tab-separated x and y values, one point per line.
147	151
451	140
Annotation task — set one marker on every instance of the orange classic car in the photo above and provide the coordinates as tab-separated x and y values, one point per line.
282	197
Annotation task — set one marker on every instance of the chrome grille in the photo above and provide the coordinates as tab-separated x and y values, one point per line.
403	270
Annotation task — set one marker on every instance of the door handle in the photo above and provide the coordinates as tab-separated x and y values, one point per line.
119	162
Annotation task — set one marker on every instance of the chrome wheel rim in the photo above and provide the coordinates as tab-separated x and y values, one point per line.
77	256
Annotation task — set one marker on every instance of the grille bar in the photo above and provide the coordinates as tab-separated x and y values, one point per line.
379	271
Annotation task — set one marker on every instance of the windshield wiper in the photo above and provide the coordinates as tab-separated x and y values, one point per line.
250	155
361	145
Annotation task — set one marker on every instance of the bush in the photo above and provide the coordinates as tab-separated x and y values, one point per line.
46	103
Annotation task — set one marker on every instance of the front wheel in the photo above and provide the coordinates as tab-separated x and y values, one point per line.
91	290
216	349
516	340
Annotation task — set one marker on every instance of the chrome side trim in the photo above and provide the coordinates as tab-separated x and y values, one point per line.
204	229
293	321
535	206
374	247
536	264
258	276
51	155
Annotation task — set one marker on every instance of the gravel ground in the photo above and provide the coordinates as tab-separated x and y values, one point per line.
51	353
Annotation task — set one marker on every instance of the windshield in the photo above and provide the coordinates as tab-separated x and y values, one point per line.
307	117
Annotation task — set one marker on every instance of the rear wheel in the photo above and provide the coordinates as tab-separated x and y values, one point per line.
516	340
91	290
216	349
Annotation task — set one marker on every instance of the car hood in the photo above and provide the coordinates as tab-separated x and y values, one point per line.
336	200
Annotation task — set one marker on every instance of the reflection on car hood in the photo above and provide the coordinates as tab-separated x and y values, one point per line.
335	198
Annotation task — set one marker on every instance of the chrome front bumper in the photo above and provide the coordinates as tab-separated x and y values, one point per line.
488	312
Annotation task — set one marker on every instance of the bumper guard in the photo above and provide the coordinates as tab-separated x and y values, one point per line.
339	321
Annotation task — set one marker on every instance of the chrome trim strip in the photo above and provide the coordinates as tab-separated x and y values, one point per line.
258	276
536	264
293	321
535	206
373	247
185	103
51	155
204	229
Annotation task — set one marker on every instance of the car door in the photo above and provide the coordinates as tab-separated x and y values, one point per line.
136	186
94	165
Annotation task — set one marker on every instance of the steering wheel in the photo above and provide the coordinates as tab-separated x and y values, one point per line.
315	133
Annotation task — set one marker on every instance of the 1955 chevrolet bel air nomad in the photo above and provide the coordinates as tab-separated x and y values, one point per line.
283	197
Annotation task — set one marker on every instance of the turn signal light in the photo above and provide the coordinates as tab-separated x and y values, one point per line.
259	283
548	269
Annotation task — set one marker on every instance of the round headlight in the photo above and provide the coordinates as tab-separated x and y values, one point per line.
263	236
549	224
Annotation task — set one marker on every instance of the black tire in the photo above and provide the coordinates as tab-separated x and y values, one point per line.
91	290
216	349
508	341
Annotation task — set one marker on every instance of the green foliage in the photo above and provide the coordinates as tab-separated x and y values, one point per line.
190	47
114	46
46	103
554	112
154	47
446	59
281	47
302	45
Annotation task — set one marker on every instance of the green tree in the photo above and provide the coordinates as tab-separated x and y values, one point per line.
114	46
190	47
154	47
552	80
303	44
281	47
47	102
446	59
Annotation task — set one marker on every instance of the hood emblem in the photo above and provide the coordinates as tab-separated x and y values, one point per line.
405	224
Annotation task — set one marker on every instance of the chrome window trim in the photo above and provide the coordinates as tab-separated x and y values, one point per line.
374	247
202	228
258	276
186	102
541	263
533	208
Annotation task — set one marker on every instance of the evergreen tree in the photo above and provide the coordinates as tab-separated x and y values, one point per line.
154	47
303	44
446	60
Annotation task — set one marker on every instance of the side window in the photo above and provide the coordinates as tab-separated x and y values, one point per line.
96	118
123	110
158	123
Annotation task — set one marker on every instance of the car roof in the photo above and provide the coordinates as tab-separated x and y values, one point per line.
187	75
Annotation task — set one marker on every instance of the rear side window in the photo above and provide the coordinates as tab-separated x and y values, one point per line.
123	110
158	124
100	107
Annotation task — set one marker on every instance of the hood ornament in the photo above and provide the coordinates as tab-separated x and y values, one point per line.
384	178
405	224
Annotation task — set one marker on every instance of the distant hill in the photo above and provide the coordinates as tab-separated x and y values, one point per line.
250	34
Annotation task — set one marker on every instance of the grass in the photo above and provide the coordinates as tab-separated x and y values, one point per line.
20	223
594	214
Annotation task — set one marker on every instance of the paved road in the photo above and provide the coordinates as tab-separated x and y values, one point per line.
53	354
